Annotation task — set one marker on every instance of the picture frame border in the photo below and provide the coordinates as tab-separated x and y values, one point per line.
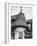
7	18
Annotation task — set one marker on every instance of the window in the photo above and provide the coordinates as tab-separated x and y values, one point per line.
20	35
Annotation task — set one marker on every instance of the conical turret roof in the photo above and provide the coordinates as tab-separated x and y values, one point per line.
21	15
20	19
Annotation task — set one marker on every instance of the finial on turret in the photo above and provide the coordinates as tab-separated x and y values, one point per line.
21	9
